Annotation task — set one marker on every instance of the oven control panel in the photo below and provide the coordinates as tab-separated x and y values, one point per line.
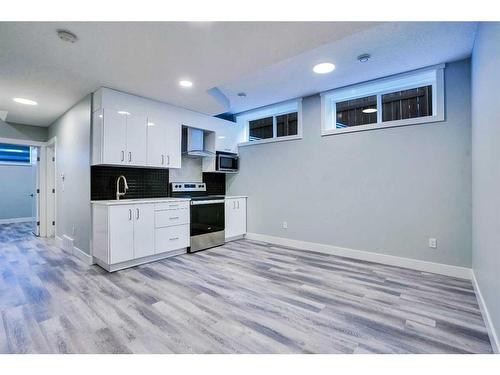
188	186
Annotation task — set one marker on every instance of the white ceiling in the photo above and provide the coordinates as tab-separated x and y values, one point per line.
143	58
270	61
394	47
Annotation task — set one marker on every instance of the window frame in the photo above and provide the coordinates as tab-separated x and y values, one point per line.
430	76
274	111
18	163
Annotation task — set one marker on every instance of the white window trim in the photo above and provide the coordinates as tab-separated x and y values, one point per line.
272	110
433	75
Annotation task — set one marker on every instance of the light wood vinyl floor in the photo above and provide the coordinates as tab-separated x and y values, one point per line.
244	297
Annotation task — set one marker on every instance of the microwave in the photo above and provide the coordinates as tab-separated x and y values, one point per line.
226	162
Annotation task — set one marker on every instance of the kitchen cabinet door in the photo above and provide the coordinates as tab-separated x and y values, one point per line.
114	144
173	143
136	140
157	143
236	217
144	230
121	233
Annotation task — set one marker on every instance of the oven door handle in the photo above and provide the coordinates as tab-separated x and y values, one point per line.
212	201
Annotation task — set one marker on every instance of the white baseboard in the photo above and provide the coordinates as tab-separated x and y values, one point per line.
80	254
16	220
391	260
495	343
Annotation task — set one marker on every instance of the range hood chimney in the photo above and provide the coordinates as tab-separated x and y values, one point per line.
193	143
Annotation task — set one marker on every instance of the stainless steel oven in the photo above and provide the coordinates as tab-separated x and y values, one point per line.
207	215
207	223
226	162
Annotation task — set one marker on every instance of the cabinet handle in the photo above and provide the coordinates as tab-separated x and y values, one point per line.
173	218
238	202
129	156
173	238
234	205
162	159
137	213
168	159
123	155
129	214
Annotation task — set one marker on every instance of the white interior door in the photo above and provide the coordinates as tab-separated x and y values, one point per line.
51	191
35	194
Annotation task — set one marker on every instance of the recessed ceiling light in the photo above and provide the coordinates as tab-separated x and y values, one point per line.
221	137
25	101
369	110
185	83
323	68
124	113
364	57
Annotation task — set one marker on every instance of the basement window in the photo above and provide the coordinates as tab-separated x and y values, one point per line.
279	122
405	99
14	154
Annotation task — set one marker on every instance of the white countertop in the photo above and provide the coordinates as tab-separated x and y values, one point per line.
112	202
139	201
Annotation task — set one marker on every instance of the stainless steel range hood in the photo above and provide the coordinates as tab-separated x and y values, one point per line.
193	143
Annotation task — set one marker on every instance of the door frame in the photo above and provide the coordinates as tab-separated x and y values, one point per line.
51	143
42	170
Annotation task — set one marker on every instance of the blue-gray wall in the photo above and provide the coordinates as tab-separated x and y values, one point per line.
16	185
385	191
486	166
72	130
26	132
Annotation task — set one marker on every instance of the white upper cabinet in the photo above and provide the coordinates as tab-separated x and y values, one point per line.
136	139
164	143
114	142
226	139
135	131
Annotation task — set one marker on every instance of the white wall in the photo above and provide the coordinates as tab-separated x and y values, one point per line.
486	167
72	130
16	185
27	132
385	191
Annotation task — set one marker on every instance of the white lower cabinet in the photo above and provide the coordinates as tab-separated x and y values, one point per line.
124	235
235	217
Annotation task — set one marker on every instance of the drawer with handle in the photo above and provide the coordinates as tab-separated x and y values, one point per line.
166	218
171	205
171	238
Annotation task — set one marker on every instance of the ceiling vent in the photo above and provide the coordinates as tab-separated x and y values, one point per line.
66	36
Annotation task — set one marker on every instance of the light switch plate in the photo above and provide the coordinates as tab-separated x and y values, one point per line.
432	243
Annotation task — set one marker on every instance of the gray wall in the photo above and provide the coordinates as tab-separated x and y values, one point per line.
486	166
385	191
73	160
27	132
15	189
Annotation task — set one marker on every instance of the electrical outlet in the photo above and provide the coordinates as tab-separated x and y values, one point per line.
433	243
284	225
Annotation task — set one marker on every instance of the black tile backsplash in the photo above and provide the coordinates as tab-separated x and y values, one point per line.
142	182
216	183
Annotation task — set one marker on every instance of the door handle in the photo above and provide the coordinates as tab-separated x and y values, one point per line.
123	155
137	214
129	156
129	214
